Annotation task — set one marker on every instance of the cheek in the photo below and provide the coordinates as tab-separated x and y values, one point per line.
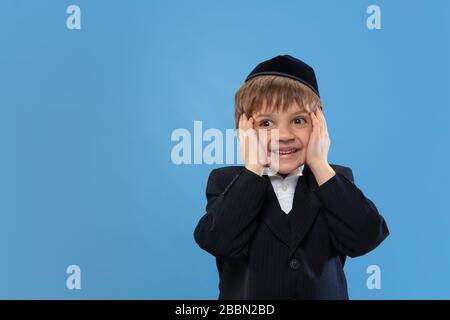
263	136
303	136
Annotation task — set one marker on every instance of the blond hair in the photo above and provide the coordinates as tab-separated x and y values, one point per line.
276	92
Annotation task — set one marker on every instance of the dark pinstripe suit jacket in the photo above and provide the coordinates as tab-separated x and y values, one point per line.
262	253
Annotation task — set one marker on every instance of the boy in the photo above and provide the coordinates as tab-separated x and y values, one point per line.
281	227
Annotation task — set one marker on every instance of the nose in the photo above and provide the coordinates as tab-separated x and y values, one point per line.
285	134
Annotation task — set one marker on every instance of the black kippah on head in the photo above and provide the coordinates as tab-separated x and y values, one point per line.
287	66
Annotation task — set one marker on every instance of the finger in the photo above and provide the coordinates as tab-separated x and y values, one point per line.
247	124
321	115
320	121
250	122
325	126
243	121
315	122
311	115
324	121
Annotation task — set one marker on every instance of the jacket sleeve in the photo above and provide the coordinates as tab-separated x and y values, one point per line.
231	212
354	221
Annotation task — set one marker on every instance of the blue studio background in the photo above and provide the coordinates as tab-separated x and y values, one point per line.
86	118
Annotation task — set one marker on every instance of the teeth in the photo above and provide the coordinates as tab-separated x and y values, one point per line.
285	151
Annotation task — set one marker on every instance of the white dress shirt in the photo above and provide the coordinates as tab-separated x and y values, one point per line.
284	188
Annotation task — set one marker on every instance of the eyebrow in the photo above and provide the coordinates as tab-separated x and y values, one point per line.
294	113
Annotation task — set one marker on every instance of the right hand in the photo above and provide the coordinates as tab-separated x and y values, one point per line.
252	150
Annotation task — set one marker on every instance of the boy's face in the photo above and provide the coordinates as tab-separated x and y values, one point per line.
294	129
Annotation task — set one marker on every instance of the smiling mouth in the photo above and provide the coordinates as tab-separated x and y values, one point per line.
285	153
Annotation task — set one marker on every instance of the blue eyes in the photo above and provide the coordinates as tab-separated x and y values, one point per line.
268	123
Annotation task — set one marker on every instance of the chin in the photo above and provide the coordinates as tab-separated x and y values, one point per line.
286	168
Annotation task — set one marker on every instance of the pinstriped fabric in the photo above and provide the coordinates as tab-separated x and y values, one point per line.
262	253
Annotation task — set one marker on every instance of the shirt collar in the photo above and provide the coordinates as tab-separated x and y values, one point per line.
270	172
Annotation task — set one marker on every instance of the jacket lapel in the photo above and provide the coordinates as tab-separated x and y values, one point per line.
292	228
275	218
304	209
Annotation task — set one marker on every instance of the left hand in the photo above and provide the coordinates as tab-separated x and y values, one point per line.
319	141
